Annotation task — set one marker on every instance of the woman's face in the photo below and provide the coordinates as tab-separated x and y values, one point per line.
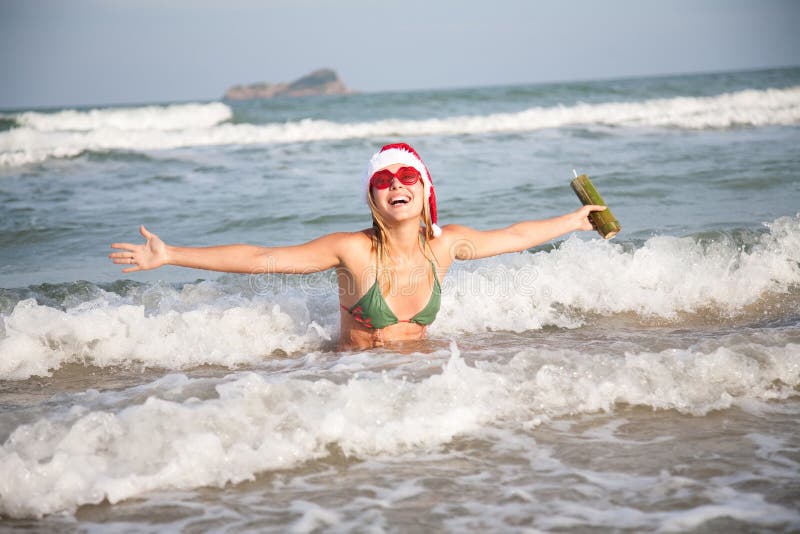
399	201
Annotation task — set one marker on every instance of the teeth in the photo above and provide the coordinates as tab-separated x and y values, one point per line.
403	200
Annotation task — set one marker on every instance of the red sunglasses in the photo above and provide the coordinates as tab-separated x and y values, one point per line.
383	178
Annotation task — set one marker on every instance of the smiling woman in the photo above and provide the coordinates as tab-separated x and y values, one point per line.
389	274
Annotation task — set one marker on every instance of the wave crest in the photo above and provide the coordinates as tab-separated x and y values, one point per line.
577	283
230	429
664	278
147	118
70	133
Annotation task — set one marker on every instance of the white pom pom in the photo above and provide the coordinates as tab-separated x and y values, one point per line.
436	230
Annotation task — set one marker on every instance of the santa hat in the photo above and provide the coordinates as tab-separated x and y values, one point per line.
405	155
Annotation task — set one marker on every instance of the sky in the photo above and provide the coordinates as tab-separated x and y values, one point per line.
56	53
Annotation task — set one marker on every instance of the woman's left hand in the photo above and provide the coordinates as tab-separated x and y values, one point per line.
581	216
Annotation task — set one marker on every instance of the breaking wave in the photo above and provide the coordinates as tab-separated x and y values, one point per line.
238	320
39	136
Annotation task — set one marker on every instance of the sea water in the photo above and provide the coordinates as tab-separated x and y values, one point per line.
650	382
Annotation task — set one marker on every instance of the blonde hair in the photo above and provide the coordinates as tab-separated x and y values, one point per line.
380	243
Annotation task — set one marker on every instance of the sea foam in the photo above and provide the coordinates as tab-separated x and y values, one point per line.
665	277
68	133
215	323
158	118
110	331
189	433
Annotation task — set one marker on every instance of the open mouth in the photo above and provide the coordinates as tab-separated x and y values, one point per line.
399	201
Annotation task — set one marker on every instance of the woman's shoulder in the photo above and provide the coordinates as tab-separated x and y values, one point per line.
364	236
450	233
353	248
357	242
353	238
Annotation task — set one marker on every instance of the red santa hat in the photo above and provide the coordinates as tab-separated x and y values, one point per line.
404	154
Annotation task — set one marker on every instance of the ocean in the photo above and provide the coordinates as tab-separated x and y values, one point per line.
646	383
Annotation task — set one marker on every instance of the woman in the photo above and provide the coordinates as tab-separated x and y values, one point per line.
389	275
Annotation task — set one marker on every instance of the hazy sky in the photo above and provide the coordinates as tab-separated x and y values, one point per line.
79	52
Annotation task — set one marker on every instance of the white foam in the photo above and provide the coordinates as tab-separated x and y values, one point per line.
211	323
313	517
260	422
737	505
146	118
70	133
685	380
663	278
189	328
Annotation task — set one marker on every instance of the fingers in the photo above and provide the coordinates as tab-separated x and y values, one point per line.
119	259
127	254
126	257
123	246
147	234
595	207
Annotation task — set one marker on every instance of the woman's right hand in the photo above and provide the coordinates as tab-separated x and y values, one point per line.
151	255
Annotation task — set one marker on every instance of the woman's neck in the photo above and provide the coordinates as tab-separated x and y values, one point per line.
403	239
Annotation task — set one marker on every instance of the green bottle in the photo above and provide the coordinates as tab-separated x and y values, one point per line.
603	221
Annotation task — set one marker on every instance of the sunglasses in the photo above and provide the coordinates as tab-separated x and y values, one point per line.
383	178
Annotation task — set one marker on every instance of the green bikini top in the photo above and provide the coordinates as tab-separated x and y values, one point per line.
372	311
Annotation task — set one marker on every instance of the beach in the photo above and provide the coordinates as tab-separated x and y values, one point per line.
646	383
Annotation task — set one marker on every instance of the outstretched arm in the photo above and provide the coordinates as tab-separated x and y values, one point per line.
317	255
469	244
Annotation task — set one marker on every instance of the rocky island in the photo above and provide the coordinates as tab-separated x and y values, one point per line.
319	82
